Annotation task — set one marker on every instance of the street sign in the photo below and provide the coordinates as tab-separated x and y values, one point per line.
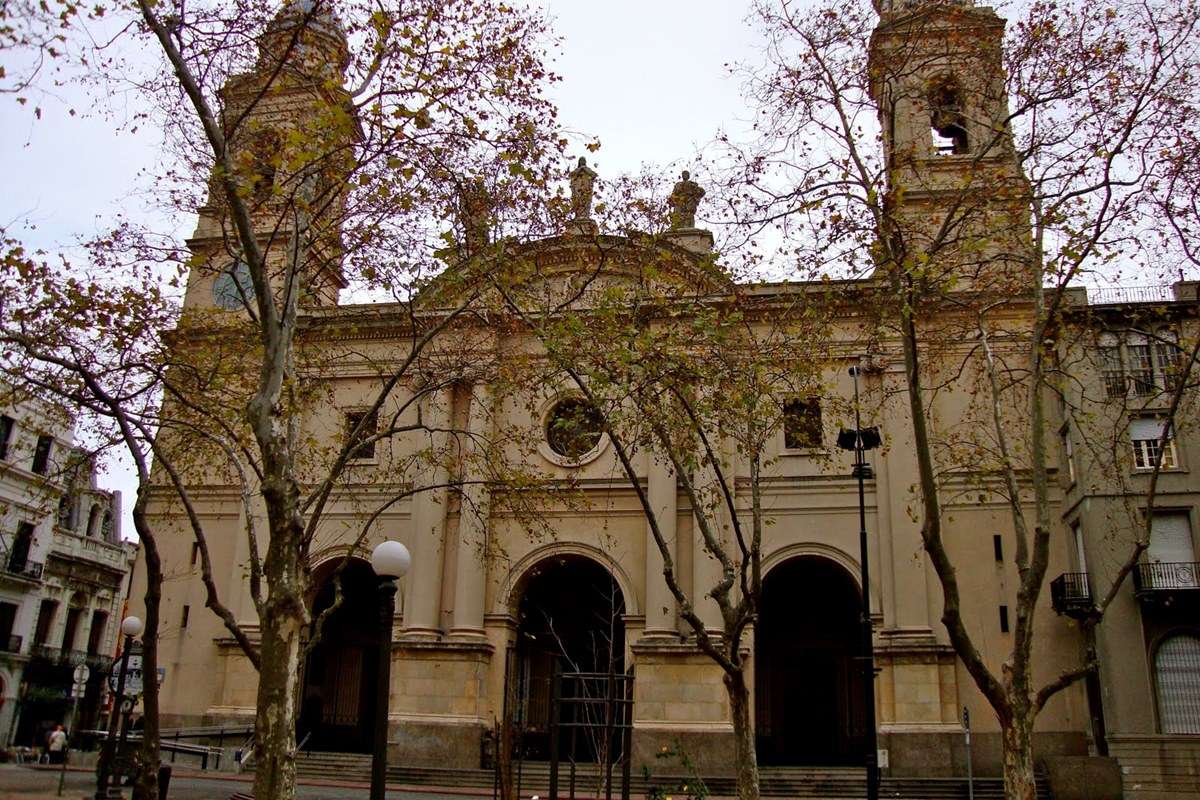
133	674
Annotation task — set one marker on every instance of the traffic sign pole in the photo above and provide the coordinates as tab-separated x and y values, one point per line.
82	673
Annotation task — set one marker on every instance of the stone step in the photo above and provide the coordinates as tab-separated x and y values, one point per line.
798	782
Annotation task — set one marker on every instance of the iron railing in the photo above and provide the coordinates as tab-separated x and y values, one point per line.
11	644
1166	576
46	651
1070	594
1129	294
99	661
20	565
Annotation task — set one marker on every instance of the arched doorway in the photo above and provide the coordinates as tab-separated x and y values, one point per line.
808	682
337	706
569	618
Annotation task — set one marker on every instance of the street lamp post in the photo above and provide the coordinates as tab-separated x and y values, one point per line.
860	440
390	560
131	627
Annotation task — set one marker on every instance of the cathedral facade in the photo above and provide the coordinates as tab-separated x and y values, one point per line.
493	605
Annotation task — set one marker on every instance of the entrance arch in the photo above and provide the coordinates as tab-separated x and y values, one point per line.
809	706
337	704
570	618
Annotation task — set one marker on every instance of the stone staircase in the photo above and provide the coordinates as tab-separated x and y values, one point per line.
793	782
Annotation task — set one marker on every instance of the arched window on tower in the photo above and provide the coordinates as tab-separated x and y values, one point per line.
948	123
1177	683
93	520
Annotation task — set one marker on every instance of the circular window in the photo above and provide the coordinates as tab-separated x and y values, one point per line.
573	428
233	288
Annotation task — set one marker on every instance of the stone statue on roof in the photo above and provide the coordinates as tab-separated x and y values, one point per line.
582	179
684	200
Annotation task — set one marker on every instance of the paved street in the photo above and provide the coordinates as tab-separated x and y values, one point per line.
29	783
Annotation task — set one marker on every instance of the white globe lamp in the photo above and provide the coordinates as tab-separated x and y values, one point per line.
391	560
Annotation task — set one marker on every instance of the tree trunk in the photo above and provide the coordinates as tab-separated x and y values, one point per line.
1017	744
745	757
145	786
282	622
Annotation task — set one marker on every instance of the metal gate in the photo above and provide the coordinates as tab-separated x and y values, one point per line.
589	724
591	714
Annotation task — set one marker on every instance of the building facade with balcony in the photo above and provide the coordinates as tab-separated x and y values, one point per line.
1124	354
63	570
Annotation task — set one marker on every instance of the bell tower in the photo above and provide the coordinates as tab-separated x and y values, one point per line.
957	197
290	135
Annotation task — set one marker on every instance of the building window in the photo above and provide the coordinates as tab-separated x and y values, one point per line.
71	628
370	425
1144	363
18	554
947	121
96	632
1004	619
66	512
7	426
183	620
1145	433
45	619
8	617
573	428
41	454
1171	539
1177	683
1068	454
802	424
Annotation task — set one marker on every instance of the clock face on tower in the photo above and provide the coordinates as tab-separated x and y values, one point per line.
232	289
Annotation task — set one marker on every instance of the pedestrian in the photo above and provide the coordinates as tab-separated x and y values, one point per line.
56	745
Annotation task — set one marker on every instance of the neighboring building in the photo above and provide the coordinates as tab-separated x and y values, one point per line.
488	609
63	571
1123	349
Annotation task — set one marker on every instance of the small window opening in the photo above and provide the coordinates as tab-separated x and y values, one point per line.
7	425
802	424
1004	619
41	454
998	547
183	621
947	122
370	425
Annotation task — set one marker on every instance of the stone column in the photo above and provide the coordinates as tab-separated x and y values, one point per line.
905	564
706	568
423	592
470	570
661	618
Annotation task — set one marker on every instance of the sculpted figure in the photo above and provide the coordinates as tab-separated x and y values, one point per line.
684	200
582	180
475	209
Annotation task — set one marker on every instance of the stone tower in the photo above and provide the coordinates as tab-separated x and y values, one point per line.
290	132
954	185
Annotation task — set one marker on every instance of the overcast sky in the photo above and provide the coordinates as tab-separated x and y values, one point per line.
649	78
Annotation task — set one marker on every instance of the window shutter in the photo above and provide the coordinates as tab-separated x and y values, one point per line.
1177	678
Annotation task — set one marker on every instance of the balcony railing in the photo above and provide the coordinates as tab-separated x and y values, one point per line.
1071	595
99	662
12	644
73	657
22	567
45	651
1166	577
